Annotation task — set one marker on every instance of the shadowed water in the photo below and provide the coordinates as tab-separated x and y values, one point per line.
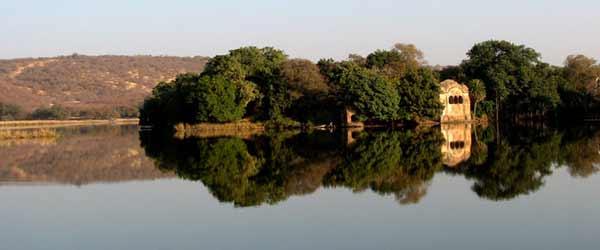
454	186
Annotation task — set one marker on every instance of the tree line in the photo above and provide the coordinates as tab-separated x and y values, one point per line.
10	112
511	82
264	84
507	81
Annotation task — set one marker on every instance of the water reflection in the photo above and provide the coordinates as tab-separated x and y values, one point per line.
270	168
457	143
505	167
81	155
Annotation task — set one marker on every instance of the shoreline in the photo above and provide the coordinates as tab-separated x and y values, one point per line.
28	124
243	128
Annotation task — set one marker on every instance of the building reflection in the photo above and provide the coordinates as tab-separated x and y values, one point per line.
457	143
352	134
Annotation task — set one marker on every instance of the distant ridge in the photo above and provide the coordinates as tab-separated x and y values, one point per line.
82	82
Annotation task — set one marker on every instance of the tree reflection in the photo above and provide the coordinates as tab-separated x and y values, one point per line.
266	169
516	165
270	168
582	154
397	162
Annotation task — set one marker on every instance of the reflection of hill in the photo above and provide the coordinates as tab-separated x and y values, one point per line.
82	156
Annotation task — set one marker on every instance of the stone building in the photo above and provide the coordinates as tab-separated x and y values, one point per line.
350	120
453	96
457	104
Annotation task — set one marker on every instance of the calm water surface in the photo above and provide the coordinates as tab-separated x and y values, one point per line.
450	187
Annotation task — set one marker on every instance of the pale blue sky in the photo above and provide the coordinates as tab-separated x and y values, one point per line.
444	30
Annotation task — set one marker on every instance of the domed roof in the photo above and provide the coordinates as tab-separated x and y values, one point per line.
449	84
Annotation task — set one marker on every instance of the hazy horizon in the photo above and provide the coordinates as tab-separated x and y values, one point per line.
310	29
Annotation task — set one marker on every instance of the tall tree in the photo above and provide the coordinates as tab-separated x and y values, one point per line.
477	91
358	59
260	67
410	53
583	73
513	75
302	77
398	61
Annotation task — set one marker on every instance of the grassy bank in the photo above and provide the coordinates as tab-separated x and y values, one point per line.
243	129
58	123
28	134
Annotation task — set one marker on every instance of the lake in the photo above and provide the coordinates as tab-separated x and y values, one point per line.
451	187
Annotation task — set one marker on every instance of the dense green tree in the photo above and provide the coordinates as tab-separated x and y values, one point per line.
540	93
192	98
167	105
370	94
384	58
215	99
513	74
419	92
260	67
417	88
451	72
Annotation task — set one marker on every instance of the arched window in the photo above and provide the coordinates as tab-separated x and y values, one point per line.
457	145
456	100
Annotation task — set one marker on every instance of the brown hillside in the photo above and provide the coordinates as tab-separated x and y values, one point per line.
88	82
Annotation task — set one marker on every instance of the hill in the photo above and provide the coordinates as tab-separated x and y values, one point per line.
89	86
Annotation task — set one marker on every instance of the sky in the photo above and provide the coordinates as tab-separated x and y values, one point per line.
313	29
